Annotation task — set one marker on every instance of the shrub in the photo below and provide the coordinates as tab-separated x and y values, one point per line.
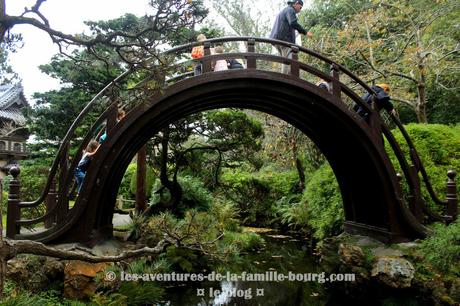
125	186
442	249
324	203
257	193
194	194
439	149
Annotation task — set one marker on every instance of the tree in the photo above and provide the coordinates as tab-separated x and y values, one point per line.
134	39
403	43
225	138
7	75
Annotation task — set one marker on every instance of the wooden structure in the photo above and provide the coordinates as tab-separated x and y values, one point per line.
13	135
371	189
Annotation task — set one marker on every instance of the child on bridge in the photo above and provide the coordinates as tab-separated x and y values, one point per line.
85	160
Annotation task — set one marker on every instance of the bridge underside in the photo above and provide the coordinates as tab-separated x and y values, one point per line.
366	178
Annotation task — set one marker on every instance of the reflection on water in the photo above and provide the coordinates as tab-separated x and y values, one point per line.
281	255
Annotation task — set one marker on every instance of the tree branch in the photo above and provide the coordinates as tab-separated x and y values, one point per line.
11	248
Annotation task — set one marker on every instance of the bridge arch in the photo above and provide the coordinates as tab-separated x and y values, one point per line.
371	193
367	180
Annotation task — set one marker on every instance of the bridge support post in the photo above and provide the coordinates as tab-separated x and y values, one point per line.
51	200
251	61
206	64
335	83
451	196
14	211
295	61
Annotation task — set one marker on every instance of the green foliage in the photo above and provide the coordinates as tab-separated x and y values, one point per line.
7	74
44	298
324	203
292	211
195	194
125	187
439	150
114	299
256	193
225	213
149	179
141	293
245	241
442	249
34	174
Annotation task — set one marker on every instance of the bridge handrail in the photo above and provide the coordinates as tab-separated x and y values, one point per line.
67	138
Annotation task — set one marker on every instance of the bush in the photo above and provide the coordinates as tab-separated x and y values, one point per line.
125	187
194	194
257	193
320	209
442	249
439	149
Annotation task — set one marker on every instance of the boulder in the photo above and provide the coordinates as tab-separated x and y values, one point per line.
393	272
35	273
79	279
351	255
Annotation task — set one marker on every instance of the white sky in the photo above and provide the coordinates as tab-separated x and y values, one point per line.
68	16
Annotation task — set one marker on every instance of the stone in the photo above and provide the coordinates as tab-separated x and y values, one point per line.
79	279
35	273
393	272
351	255
386	252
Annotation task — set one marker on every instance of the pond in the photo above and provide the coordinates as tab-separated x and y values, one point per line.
258	279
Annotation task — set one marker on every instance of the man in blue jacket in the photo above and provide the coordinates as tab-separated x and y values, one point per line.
285	26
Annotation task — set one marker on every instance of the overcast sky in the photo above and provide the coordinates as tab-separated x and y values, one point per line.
68	16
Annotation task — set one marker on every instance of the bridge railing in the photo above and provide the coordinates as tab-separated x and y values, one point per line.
304	63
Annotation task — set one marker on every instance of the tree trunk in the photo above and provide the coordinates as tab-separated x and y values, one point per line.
3	27
421	105
173	186
298	162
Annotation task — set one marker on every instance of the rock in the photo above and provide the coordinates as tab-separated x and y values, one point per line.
35	273
107	248
79	280
367	241
386	252
351	255
393	272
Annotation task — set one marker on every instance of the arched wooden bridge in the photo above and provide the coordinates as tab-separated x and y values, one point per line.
371	189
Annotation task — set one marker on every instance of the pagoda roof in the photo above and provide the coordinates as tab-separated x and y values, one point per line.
11	101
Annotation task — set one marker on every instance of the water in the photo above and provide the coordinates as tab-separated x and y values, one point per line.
282	256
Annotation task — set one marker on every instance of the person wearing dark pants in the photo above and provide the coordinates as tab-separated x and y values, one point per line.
284	29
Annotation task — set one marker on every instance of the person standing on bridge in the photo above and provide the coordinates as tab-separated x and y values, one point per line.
85	160
284	29
382	100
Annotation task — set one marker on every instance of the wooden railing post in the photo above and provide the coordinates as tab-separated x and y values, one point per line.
295	61
50	202
206	63
111	118
14	212
451	195
335	83
251	61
